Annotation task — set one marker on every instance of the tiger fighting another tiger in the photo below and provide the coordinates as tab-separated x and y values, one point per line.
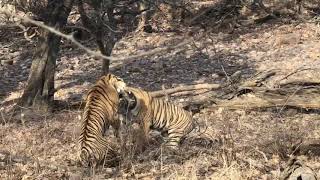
156	113
99	113
110	97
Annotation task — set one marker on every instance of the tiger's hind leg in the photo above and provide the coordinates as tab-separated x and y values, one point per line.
168	149
173	139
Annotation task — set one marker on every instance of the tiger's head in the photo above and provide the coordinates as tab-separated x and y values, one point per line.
127	101
114	81
131	104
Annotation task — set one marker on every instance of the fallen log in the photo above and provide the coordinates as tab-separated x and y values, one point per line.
304	98
296	169
307	146
233	79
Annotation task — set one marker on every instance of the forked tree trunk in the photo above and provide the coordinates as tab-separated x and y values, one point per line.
96	28
107	50
40	87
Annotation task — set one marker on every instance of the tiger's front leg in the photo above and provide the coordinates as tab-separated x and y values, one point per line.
139	139
146	130
116	127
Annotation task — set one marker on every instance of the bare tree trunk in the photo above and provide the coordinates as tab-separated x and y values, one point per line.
112	40
40	89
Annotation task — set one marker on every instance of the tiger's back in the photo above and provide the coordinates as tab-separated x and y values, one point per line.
171	118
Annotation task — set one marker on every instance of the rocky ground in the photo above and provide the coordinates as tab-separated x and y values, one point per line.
247	144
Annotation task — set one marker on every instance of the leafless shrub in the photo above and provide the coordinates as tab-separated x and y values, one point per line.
35	8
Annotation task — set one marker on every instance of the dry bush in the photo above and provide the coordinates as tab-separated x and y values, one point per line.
36	8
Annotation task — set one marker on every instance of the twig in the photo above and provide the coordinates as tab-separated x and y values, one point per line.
252	162
225	73
53	30
300	69
307	146
25	32
287	100
2	116
115	31
89	51
260	77
76	27
262	153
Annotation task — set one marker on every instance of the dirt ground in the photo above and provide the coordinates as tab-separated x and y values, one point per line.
244	144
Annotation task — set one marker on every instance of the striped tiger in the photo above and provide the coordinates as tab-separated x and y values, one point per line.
156	113
99	113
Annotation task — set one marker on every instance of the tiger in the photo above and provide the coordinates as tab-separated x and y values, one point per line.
155	113
99	113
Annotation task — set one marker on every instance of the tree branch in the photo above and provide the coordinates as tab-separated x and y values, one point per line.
95	53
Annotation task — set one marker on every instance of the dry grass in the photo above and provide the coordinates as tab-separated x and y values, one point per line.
238	144
246	145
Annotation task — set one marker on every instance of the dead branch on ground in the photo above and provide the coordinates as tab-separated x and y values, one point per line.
258	79
185	88
200	88
297	169
308	146
250	94
191	93
304	98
